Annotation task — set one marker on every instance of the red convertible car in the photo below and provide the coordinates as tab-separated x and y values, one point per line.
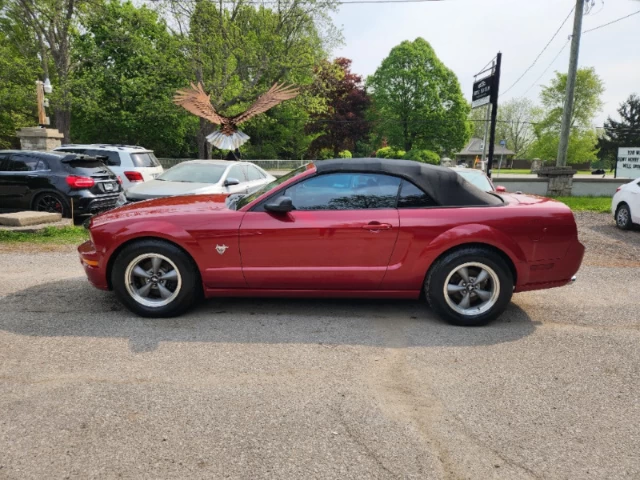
338	228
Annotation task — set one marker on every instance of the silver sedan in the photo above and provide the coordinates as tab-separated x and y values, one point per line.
201	177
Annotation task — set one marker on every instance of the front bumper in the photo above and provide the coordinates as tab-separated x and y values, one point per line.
94	265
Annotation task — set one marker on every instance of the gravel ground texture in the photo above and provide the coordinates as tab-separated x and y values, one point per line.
275	388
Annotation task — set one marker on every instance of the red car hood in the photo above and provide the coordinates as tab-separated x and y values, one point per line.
180	205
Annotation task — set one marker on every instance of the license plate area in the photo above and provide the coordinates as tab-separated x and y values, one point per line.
109	187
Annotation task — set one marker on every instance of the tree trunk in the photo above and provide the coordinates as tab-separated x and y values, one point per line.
63	122
204	147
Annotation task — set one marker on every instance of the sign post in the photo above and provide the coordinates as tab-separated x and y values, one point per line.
628	164
485	91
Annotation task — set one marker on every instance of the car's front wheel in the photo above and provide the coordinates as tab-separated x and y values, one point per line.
469	286
154	278
623	217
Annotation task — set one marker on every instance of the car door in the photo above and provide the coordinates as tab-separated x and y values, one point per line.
30	175
339	237
236	172
634	201
6	181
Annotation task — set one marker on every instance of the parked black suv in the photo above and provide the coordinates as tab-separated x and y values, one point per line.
56	182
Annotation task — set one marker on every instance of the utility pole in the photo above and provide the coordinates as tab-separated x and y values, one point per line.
565	130
494	111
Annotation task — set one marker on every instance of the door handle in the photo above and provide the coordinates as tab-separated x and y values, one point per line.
375	226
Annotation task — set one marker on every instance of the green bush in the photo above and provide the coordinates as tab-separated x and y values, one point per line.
325	154
344	154
424	156
389	152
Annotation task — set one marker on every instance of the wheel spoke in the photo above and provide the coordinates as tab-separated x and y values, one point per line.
155	264
464	273
483	294
164	291
139	272
481	278
451	288
172	275
144	290
466	301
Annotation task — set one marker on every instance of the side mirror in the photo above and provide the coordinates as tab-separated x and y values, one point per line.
229	182
279	205
500	188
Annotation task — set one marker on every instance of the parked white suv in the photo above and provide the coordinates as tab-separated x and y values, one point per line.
132	164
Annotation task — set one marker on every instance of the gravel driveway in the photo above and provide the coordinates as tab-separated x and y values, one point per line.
321	389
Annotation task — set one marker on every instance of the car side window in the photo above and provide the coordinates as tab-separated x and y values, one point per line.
4	163
413	197
254	173
22	163
237	172
345	191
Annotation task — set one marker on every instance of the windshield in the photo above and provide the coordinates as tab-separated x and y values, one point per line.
250	198
476	178
194	173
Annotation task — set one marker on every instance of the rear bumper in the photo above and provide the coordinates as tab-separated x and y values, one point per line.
94	265
559	273
88	205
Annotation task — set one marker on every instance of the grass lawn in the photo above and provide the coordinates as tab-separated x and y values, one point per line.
587	204
59	236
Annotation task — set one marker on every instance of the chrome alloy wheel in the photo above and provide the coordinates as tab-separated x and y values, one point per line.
472	288
623	216
153	280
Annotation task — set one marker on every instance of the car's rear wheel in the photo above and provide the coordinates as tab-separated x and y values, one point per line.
51	202
154	278
623	217
469	286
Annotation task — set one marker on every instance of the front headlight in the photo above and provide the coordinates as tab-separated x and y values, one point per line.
122	199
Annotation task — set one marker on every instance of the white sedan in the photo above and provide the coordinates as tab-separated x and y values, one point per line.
625	205
197	177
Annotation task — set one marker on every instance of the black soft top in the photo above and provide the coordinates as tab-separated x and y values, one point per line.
442	184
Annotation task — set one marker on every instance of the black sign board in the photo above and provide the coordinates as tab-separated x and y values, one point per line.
482	91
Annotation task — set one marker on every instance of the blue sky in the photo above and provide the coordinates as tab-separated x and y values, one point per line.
467	33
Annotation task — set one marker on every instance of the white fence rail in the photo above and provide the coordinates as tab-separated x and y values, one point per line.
273	165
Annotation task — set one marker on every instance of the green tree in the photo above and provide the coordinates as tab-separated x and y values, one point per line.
128	66
19	69
417	100
587	102
51	24
623	133
238	50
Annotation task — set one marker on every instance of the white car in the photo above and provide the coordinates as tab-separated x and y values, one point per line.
625	205
201	177
132	164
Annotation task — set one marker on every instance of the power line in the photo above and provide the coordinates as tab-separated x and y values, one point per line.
611	22
546	69
543	50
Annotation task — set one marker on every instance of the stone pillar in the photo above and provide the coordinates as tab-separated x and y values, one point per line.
38	138
560	180
536	164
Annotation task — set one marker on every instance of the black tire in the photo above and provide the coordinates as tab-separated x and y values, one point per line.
623	217
497	274
188	287
51	202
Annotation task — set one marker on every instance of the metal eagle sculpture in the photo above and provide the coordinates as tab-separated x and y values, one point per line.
228	137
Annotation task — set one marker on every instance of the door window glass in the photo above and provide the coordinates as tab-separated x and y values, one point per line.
345	191
237	172
254	173
22	163
412	197
4	163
